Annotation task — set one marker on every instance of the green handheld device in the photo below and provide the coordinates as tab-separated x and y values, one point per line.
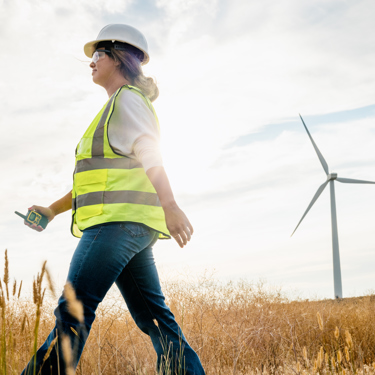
34	217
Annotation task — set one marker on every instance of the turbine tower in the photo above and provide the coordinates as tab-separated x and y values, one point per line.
331	177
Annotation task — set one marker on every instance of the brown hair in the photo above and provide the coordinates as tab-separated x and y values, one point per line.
130	66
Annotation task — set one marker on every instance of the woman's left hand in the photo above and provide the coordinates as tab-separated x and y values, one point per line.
178	225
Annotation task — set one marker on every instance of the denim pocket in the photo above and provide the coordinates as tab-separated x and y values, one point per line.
134	229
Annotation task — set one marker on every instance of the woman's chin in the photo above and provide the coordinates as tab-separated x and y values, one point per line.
95	80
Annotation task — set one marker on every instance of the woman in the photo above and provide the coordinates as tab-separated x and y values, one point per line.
121	204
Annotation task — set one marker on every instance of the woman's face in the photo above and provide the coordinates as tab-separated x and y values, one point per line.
103	69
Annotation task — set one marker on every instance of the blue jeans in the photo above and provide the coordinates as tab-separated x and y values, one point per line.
120	253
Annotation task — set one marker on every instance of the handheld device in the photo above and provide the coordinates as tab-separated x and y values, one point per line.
34	217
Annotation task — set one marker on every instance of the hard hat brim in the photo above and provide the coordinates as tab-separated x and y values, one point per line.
89	49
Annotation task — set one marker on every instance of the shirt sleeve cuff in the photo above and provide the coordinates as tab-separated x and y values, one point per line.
151	160
146	150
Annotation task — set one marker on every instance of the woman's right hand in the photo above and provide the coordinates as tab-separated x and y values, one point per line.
46	211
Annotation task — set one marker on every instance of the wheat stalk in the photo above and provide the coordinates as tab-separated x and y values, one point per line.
320	321
75	307
6	273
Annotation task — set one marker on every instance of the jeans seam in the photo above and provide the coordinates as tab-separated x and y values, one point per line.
97	234
145	302
82	259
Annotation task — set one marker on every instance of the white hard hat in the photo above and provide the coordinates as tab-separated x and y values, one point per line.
120	33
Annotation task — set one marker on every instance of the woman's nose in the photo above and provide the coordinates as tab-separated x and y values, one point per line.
92	64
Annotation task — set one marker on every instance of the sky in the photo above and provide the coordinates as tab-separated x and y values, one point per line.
233	77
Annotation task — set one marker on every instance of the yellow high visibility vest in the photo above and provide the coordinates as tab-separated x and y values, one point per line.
108	187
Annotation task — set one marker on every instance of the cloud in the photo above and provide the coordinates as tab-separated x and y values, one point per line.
291	61
183	17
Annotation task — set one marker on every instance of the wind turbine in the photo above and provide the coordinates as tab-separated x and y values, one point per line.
331	177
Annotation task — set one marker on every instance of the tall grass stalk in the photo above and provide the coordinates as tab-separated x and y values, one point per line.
3	365
38	297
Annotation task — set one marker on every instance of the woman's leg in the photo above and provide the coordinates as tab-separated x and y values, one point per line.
101	255
139	284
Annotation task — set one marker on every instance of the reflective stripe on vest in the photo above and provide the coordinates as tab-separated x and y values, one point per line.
91	164
108	197
108	187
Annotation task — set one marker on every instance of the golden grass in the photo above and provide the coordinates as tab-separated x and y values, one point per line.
236	328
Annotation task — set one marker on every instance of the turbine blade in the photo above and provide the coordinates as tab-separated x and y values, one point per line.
352	181
316	196
320	156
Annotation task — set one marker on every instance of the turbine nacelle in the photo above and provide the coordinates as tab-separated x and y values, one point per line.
331	176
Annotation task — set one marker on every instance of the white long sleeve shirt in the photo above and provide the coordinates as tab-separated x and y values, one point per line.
133	131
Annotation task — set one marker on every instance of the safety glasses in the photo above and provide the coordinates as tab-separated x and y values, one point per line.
98	54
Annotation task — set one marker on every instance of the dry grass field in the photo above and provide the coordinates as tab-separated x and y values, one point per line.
236	328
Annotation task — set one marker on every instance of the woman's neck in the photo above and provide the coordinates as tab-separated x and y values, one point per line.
115	84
